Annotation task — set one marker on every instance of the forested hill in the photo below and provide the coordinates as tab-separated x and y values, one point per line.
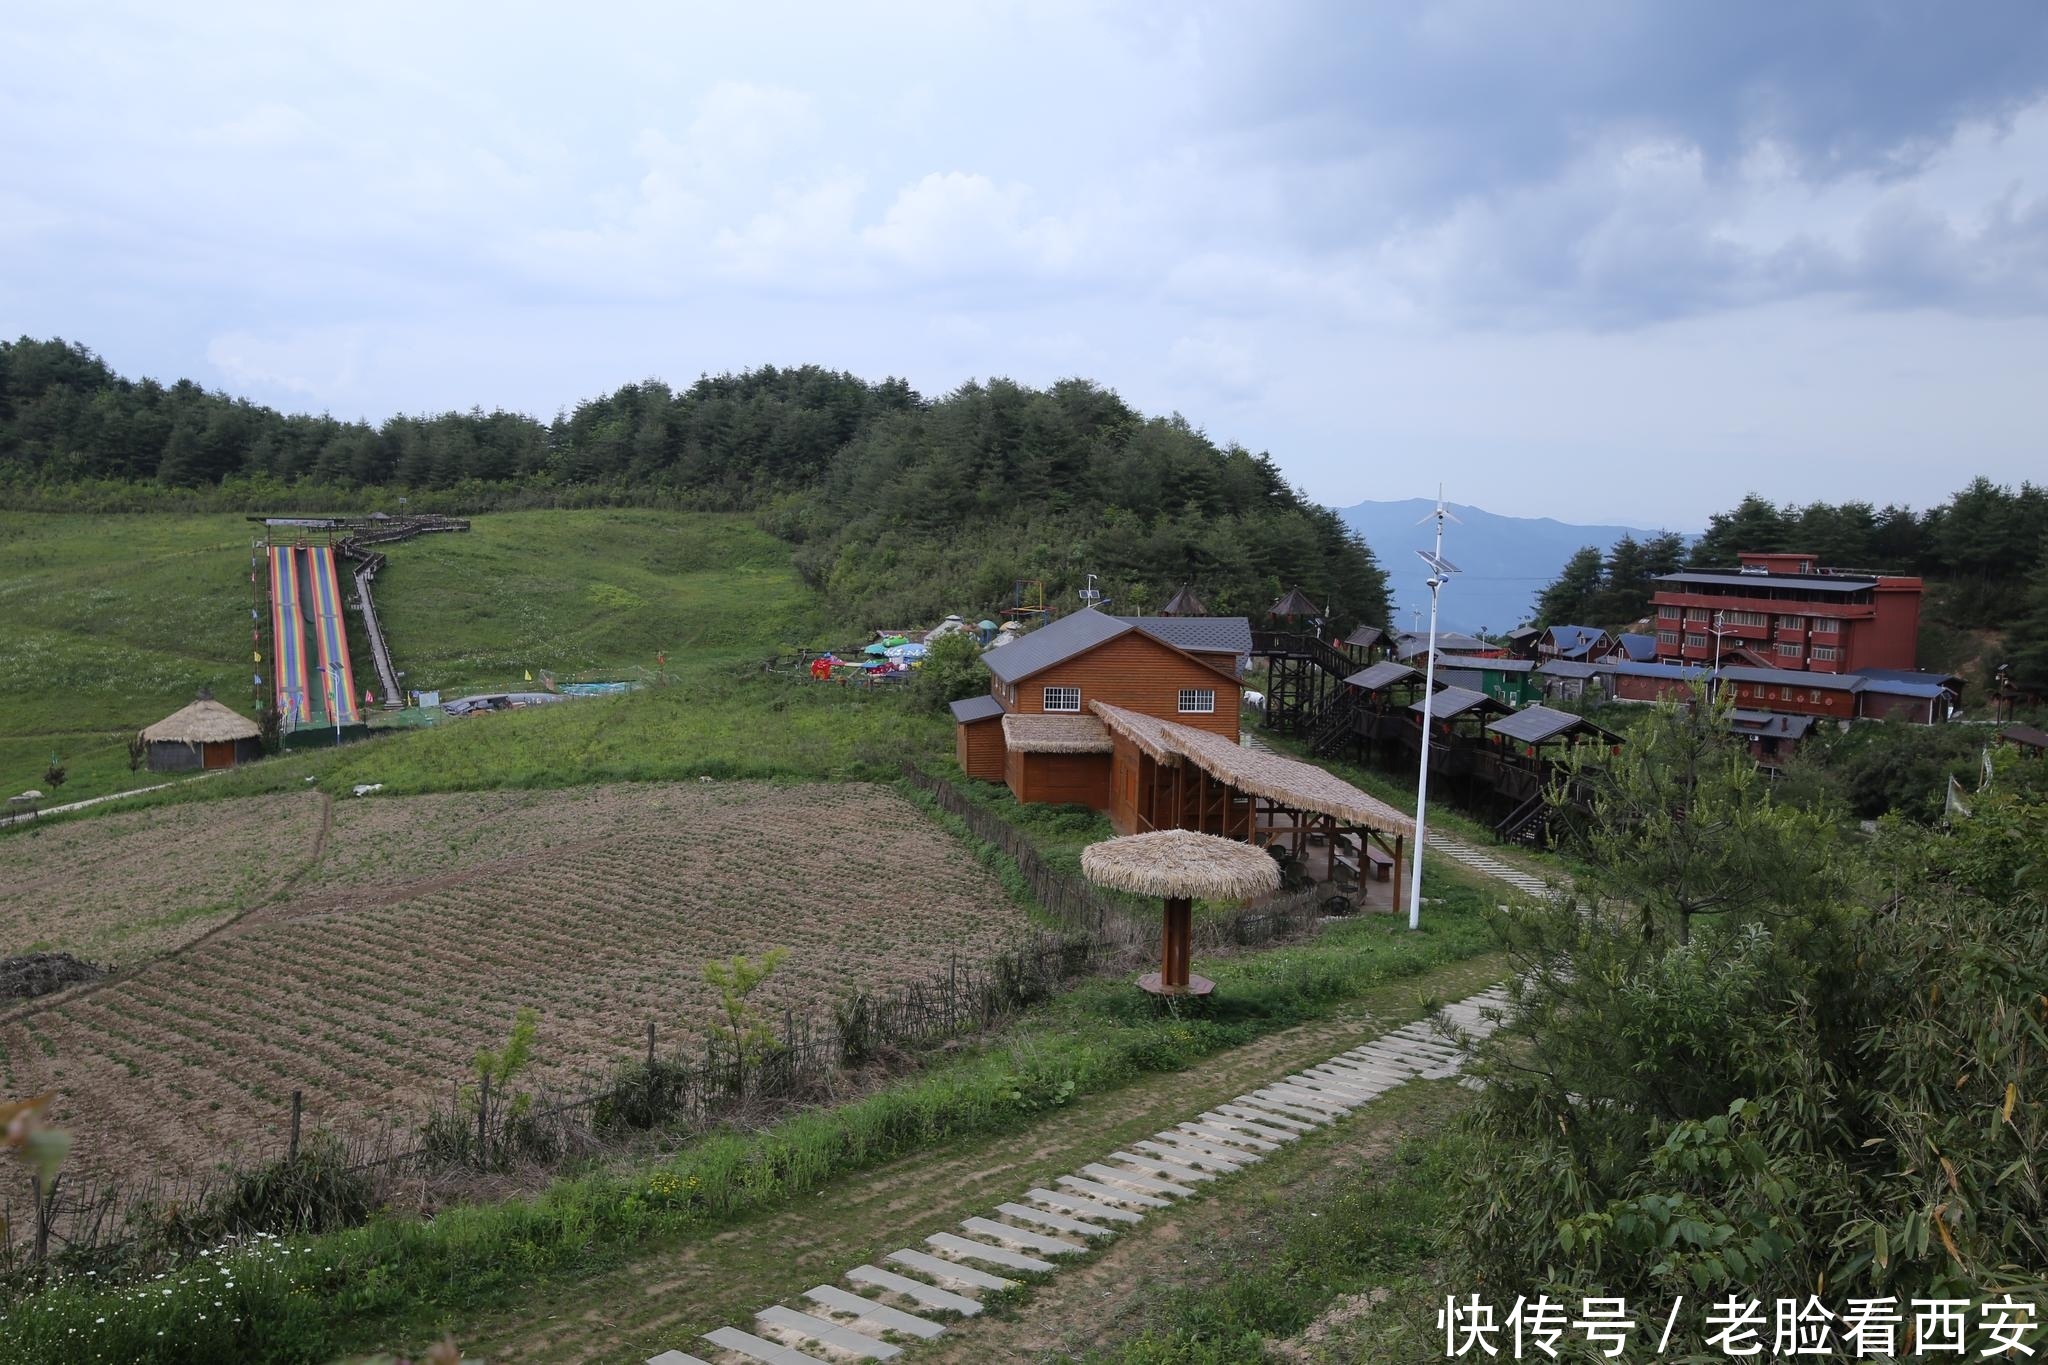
899	506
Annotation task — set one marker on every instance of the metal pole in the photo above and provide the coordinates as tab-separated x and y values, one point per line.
1428	695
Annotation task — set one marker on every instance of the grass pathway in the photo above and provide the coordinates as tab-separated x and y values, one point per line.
672	1296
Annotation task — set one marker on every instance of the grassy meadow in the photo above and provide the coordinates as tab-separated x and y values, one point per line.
109	623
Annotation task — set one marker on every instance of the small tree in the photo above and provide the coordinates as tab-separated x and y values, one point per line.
745	1032
138	752
496	1068
952	670
55	775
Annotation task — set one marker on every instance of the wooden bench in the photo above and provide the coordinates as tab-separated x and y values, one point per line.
1382	862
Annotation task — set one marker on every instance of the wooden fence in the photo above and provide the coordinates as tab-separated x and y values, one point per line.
696	1084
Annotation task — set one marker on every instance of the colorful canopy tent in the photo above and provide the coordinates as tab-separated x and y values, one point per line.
1181	867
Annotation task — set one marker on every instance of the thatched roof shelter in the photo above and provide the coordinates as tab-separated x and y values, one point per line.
1181	864
1056	735
205	721
1284	781
1184	603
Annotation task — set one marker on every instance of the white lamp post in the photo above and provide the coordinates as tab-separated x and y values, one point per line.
1439	569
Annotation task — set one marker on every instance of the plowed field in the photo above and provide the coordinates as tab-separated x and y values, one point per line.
428	922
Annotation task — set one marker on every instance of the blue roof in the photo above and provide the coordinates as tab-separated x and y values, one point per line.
1572	641
1893	687
1624	668
1641	649
1908	675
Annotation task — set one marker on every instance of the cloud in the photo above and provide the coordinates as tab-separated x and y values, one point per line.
953	222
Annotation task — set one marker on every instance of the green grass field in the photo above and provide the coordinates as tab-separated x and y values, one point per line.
109	623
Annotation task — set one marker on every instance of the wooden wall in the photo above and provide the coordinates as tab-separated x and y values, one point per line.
978	747
1137	672
1059	779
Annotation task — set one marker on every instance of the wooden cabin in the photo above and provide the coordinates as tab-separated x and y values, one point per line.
1036	731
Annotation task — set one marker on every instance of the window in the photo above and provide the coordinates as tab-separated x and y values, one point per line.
1791	623
1667	613
1197	701
1696	641
1826	653
1695	613
1788	650
1667	637
1062	698
1825	625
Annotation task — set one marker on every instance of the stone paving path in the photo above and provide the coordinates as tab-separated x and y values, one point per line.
927	1291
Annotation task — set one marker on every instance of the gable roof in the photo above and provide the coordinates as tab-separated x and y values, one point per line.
1084	630
1383	675
1638	648
1573	641
1198	634
1769	724
1456	701
1365	637
1625	668
1447	642
1536	724
1794	677
1567	668
976	708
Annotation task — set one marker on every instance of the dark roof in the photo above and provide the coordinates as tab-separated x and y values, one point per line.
1383	675
1909	675
1900	687
1640	649
1567	668
2031	736
1295	603
1820	583
1184	603
1772	723
1796	677
1070	635
1523	633
1456	701
1447	642
1573	641
1046	646
1365	637
1535	724
1627	669
976	708
1199	634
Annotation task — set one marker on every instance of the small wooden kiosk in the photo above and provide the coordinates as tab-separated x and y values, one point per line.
1181	867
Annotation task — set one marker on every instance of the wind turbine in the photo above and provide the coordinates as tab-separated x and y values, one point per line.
1439	570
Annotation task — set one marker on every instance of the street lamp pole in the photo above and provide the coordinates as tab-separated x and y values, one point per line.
1439	569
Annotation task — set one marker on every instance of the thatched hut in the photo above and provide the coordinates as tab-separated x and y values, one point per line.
1181	867
202	735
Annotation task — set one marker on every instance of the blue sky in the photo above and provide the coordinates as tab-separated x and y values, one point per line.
1598	261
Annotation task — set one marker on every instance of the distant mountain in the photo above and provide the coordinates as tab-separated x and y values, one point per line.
1503	561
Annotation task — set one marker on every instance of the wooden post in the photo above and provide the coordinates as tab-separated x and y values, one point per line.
298	1109
650	1045
1176	943
483	1109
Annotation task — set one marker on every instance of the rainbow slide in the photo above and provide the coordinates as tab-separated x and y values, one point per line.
310	669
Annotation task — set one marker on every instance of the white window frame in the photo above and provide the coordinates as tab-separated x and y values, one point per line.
1825	625
1197	696
1063	694
1788	649
1826	653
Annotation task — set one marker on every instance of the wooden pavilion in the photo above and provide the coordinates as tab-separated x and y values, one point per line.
1524	756
1165	775
1184	603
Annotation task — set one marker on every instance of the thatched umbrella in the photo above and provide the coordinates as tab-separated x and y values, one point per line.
1181	867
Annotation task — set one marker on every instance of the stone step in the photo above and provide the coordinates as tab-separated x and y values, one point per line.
756	1348
1352	1092
1086	1207
676	1358
956	1247
1136	1180
948	1270
1304	1099
1263	1120
1186	1150
826	1333
930	1295
1057	1222
1022	1237
878	1315
1174	1171
1226	1137
1316	1116
1097	1190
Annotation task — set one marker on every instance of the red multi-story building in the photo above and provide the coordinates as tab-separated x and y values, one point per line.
1782	611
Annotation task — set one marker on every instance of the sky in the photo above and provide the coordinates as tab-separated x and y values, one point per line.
1599	262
